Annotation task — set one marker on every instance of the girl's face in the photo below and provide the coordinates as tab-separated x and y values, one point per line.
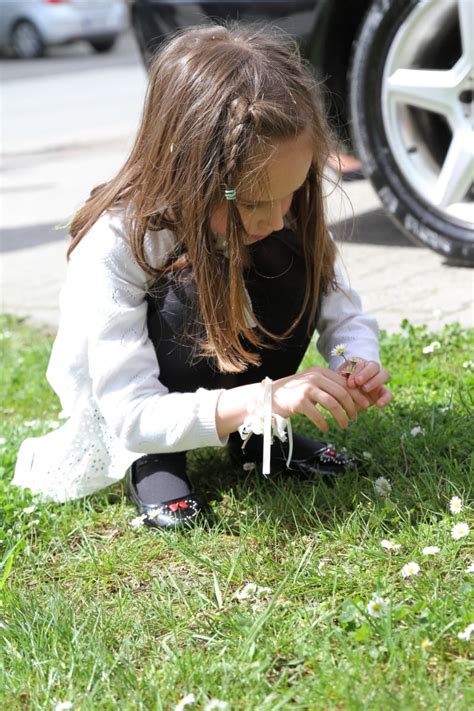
263	208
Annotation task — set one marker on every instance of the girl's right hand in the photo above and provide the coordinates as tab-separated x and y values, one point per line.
300	393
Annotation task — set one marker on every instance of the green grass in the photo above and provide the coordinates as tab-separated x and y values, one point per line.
107	616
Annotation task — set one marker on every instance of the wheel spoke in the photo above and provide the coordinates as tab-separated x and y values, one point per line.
466	25
425	88
457	172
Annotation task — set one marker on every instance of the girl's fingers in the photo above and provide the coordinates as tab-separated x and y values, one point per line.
324	380
358	368
315	416
335	376
340	393
385	396
375	382
363	374
332	391
361	401
331	405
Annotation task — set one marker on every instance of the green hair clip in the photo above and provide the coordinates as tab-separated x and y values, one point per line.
230	194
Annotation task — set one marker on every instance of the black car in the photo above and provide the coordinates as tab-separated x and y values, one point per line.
401	78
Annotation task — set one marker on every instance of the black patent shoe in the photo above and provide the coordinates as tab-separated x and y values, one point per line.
174	513
309	456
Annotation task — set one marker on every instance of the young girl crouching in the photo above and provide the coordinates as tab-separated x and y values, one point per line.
196	279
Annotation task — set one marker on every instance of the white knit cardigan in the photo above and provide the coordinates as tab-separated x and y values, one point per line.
105	371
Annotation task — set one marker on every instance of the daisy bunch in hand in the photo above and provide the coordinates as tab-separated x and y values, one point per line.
367	376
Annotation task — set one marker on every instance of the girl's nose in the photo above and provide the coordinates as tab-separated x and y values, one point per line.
275	218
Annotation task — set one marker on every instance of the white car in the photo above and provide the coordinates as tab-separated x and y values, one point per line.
28	27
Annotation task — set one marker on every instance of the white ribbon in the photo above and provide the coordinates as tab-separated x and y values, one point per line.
267	425
263	421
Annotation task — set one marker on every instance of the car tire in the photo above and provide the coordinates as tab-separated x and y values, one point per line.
103	45
403	126
26	41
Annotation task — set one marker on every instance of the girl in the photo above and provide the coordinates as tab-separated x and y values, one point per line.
196	279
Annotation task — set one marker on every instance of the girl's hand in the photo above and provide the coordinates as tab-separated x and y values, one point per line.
369	379
300	393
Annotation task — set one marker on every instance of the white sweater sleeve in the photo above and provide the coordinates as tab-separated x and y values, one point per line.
341	320
122	361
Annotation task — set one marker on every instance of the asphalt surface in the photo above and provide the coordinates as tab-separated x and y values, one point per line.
68	122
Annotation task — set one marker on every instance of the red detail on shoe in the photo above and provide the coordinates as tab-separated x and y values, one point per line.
330	452
178	505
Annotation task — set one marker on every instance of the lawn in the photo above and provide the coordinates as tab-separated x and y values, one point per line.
98	614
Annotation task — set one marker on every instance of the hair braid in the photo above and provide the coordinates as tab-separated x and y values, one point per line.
237	117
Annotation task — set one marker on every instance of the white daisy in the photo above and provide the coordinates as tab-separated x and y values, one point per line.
63	706
2	440
185	701
430	550
382	486
339	350
459	530
390	545
367	455
465	635
29	509
455	505
468	364
215	704
416	431
377	606
432	347
470	568
426	644
251	590
410	569
138	521
247	591
322	563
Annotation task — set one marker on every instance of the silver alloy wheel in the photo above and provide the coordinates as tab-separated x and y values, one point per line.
445	184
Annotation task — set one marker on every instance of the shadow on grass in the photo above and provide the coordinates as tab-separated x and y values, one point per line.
425	468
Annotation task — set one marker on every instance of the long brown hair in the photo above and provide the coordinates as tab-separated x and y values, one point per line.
216	95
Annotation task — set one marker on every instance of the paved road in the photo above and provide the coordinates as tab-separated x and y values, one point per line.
67	124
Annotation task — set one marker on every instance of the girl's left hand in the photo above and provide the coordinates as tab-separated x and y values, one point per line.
370	378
